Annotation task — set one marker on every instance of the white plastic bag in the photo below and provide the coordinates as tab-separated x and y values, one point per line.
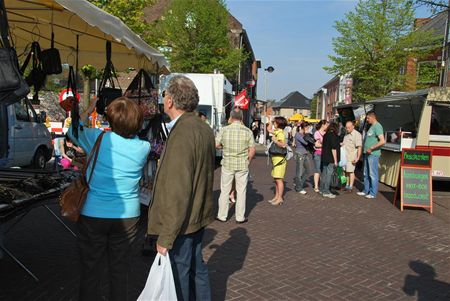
343	161
160	285
290	153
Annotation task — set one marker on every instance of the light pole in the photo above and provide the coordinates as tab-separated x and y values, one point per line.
269	69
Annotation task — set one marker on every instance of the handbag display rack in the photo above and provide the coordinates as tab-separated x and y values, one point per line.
106	94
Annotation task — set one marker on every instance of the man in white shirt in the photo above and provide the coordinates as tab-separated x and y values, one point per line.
353	150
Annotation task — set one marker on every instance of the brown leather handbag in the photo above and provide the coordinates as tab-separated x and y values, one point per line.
73	198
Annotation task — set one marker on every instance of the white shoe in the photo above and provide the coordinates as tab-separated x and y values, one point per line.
329	195
361	193
232	201
302	192
369	196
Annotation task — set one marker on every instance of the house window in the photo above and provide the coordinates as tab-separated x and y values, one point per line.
440	124
427	72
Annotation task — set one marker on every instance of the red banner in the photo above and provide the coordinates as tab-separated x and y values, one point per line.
241	100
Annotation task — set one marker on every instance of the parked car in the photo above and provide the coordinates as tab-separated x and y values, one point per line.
29	142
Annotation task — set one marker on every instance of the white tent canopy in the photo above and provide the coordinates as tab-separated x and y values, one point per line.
33	20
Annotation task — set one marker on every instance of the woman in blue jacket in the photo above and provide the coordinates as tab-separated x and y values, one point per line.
108	221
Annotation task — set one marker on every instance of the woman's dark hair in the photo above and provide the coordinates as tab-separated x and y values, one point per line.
320	123
125	117
281	122
333	127
303	125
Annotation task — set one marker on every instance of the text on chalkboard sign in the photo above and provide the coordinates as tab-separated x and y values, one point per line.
415	157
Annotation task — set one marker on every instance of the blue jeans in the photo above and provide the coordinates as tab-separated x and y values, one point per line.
300	171
189	268
317	163
325	176
371	174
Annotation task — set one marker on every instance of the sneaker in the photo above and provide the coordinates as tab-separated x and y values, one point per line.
369	196
242	222
329	195
303	191
316	190
361	193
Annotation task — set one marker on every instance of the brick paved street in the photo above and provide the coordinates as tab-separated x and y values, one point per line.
310	248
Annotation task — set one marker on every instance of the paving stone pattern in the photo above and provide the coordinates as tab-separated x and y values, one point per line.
309	248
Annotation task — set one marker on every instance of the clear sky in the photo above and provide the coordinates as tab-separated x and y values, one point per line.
293	36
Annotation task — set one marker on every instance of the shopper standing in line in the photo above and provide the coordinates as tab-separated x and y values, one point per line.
331	148
321	129
373	141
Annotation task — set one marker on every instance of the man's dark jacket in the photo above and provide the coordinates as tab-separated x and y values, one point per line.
183	188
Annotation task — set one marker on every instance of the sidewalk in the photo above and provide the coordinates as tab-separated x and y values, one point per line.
309	248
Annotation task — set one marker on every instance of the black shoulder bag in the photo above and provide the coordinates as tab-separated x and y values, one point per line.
51	60
36	77
107	94
12	85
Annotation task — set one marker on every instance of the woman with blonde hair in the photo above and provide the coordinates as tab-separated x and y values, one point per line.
279	162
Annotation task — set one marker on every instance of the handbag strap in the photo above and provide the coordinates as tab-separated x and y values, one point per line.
71	81
53	39
4	25
36	55
94	154
109	73
26	62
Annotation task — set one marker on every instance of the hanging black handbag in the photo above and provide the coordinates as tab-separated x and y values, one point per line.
107	94
12	85
36	77
142	90
275	150
51	60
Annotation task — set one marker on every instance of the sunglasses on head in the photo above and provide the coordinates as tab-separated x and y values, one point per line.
163	94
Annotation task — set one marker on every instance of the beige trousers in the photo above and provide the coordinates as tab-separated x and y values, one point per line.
226	183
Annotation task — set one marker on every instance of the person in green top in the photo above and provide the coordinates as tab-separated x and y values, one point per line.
373	141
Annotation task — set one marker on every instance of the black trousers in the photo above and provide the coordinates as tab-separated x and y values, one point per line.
99	238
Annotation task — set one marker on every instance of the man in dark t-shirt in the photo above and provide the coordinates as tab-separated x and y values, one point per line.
331	150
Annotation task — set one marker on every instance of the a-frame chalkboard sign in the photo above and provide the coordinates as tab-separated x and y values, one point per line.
414	188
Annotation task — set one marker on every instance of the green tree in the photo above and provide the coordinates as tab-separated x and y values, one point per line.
314	107
375	41
193	35
131	12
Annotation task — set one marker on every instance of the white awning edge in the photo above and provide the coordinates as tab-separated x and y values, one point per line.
113	26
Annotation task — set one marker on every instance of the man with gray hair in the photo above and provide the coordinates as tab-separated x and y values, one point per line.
238	149
182	203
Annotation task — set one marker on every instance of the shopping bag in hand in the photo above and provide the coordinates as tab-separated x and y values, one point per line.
335	180
160	284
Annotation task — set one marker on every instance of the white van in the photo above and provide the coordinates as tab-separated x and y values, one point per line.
215	96
25	140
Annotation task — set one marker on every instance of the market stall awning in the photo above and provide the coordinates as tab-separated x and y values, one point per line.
32	20
296	117
312	120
